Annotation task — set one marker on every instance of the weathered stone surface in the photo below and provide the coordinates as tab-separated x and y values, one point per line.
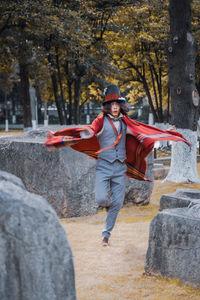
174	244
190	193
163	160
160	172
167	160
180	198
158	166
4	176
64	177
183	166
139	192
35	256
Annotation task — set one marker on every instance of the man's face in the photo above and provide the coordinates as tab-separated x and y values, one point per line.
115	109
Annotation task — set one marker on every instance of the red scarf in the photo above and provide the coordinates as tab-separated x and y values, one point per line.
138	145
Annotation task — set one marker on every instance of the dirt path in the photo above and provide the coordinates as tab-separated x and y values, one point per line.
117	272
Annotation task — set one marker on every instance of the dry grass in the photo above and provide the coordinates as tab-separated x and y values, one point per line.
117	272
10	132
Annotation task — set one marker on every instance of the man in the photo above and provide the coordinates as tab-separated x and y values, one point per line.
120	146
111	168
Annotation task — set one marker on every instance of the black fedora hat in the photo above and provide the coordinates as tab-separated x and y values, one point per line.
112	93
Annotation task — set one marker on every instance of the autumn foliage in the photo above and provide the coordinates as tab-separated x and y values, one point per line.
70	50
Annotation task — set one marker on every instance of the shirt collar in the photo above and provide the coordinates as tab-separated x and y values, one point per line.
116	119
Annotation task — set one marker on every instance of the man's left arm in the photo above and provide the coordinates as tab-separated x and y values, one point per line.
89	130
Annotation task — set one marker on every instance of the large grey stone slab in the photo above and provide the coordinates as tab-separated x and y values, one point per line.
65	177
35	256
190	193
5	176
174	244
180	198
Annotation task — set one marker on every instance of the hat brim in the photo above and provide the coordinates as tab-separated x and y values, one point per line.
121	99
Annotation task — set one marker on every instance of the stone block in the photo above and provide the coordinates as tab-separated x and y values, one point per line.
163	160
174	244
167	160
139	192
158	166
160	173
64	177
35	258
190	193
180	198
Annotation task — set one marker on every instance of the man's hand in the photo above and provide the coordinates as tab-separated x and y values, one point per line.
86	133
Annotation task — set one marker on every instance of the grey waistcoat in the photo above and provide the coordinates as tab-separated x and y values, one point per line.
107	138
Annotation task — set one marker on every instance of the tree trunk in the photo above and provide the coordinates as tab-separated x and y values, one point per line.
145	85
55	90
77	85
155	94
159	84
69	84
158	76
24	79
13	112
61	87
184	96
58	104
46	117
33	99
197	72
168	104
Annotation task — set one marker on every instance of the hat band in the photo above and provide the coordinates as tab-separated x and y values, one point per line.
112	97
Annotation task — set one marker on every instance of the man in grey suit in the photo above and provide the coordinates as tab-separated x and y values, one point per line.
111	167
120	144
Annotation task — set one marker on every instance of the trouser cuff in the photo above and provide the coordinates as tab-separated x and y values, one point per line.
106	234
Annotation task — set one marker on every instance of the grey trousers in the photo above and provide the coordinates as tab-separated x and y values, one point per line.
110	190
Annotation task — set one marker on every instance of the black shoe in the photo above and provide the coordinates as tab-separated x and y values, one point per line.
100	207
107	208
105	242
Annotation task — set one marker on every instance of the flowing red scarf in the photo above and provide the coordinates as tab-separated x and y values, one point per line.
138	144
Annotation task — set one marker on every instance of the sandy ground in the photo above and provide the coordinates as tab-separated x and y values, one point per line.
117	272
